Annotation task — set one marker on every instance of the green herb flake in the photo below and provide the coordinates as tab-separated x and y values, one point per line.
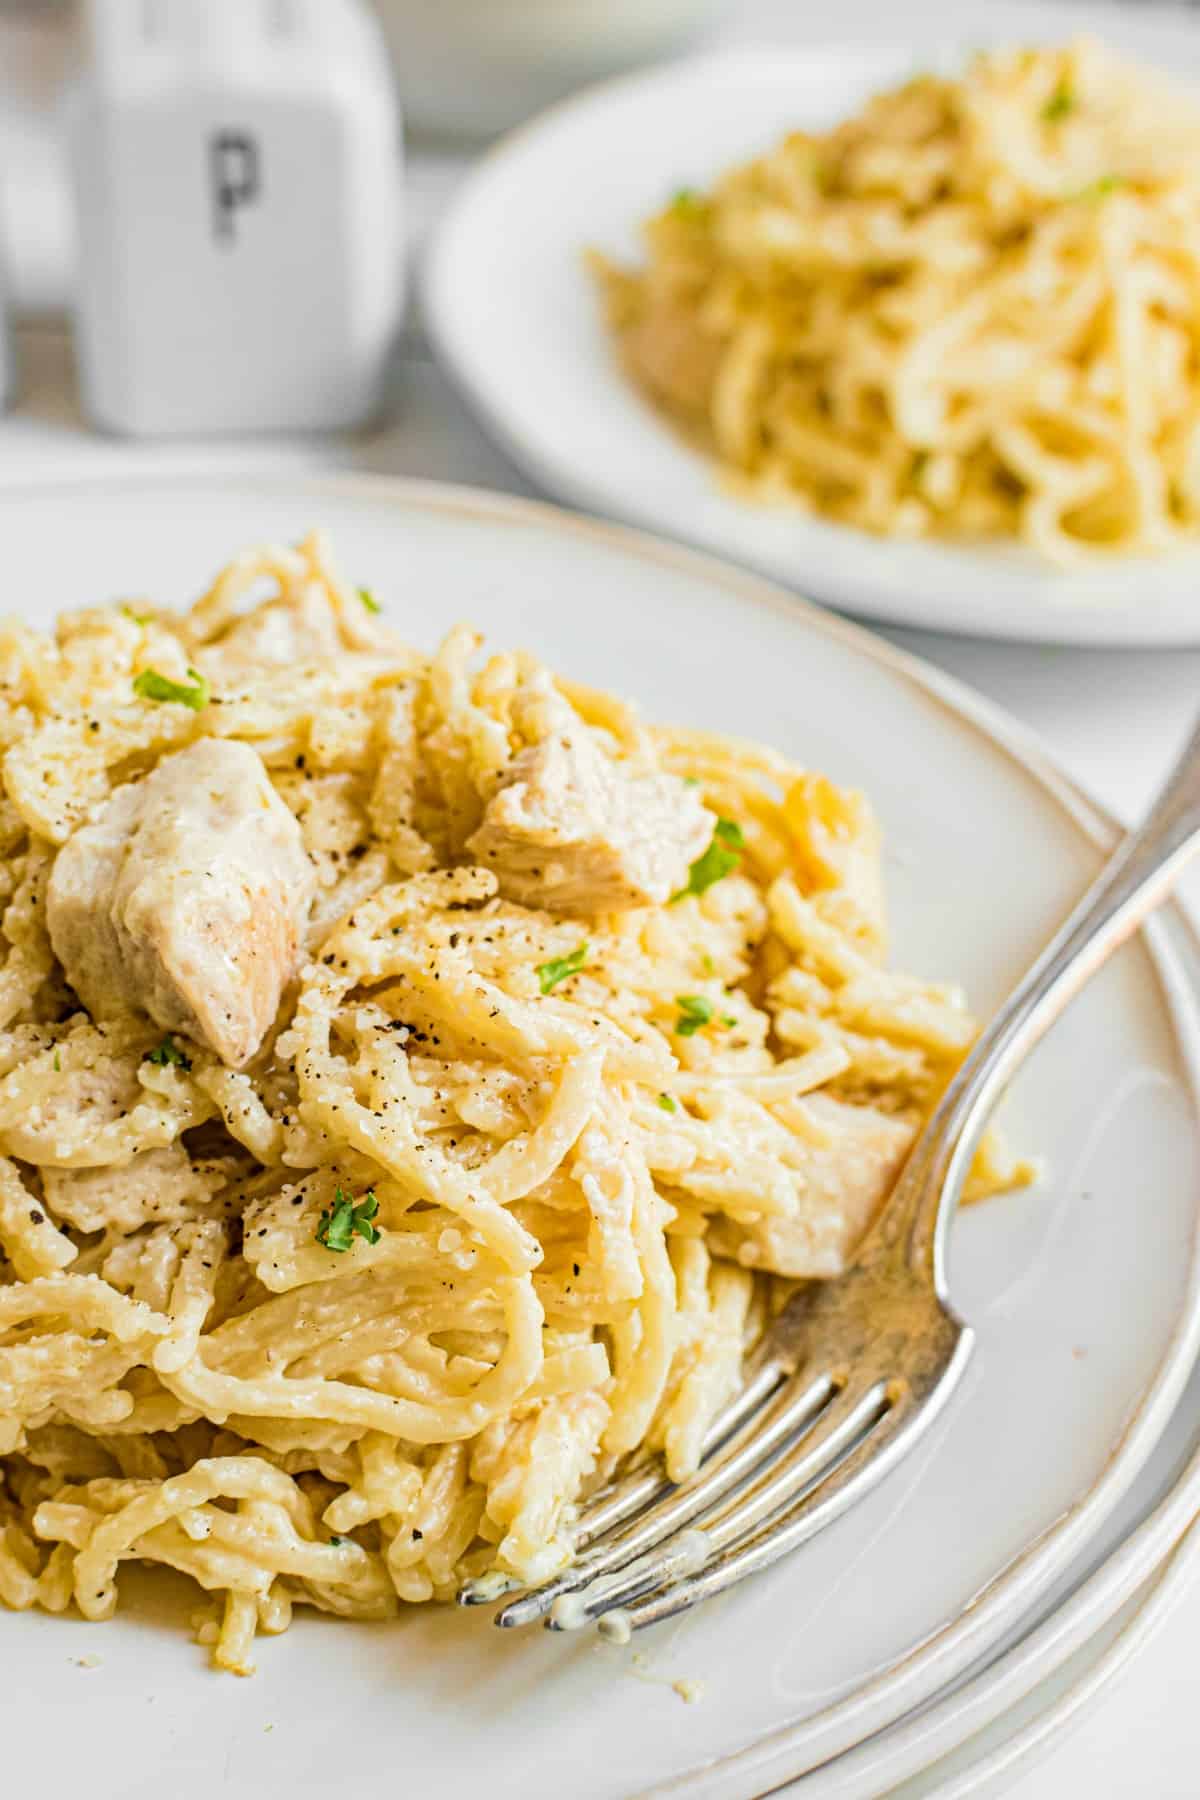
1060	105
335	1543
720	859
57	1063
340	1223
369	601
687	203
150	685
667	1104
550	973
1099	190
695	1010
142	619
169	1054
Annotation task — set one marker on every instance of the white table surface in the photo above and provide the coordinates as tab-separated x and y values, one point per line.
1113	718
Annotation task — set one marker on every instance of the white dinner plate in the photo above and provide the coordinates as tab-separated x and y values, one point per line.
514	315
1083	1291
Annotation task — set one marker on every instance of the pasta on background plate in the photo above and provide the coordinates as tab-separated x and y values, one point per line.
419	1082
971	309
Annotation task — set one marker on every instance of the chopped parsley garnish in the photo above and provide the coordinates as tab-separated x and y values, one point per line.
169	1053
550	973
1061	103
686	203
1099	190
150	685
694	1011
345	1219
720	859
369	601
57	1064
667	1104
336	1543
142	619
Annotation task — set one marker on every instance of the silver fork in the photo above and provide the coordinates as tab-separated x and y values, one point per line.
853	1373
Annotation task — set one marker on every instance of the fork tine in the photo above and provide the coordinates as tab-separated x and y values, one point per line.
614	1509
759	1438
786	1531
888	1443
835	1431
629	1498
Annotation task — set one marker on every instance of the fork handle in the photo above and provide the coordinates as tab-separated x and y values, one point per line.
1136	878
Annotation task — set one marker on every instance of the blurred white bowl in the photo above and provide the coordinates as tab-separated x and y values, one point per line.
475	67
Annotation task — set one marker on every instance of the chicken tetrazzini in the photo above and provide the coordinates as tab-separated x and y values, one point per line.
419	1080
972	307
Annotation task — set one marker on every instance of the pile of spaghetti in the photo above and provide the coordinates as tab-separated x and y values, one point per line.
973	308
496	1193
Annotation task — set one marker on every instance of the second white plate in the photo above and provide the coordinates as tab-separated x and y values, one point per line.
514	315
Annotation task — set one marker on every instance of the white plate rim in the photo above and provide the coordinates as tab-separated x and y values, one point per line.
441	287
1140	1568
1166	1586
922	1672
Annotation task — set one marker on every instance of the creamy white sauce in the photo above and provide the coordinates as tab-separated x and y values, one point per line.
614	1627
492	1586
689	1691
569	1612
690	1551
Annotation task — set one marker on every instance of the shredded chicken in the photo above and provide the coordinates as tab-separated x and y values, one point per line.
156	1187
571	830
856	1156
186	898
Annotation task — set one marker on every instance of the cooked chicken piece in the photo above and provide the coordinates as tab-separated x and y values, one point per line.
158	1186
186	898
846	1179
572	831
673	357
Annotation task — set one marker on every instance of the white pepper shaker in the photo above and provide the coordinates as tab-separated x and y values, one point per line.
237	181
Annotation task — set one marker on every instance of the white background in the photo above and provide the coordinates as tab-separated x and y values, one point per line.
1113	718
